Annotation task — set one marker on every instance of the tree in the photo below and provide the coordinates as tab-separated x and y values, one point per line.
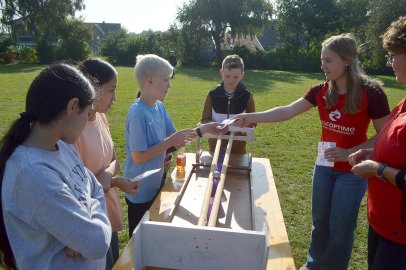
174	42
121	48
352	16
198	47
40	17
303	23
73	40
381	14
115	46
217	17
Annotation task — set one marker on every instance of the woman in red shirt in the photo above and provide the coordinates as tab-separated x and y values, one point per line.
385	167
346	102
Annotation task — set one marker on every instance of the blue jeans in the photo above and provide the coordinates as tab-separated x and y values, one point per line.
335	203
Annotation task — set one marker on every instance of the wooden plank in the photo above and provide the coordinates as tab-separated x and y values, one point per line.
244	134
200	248
181	193
190	206
240	163
162	206
236	206
126	259
219	190
268	213
268	216
138	243
206	200
235	210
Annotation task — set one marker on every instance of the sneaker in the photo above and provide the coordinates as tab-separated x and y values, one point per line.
304	267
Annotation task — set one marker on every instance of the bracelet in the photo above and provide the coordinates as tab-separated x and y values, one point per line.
199	132
400	179
380	170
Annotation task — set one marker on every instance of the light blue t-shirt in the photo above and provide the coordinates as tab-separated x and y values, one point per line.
146	126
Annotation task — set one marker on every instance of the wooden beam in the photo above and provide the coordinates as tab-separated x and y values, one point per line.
220	186
199	248
181	192
206	201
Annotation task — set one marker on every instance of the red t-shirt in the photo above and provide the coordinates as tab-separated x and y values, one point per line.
384	199
347	130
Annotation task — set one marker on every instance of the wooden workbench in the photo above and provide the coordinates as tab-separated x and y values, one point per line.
266	208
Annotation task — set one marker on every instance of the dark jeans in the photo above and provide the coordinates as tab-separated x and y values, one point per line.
135	213
384	254
137	210
113	252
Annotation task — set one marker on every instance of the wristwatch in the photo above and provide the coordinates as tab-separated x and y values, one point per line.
380	170
199	132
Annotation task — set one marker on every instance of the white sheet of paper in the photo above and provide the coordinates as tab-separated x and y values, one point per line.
226	122
144	174
323	146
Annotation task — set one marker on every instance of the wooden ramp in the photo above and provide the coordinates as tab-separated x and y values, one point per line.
197	247
250	226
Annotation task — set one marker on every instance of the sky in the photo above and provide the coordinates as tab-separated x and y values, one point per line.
134	15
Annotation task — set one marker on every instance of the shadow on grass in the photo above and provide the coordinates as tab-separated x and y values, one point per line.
264	80
18	68
260	80
390	82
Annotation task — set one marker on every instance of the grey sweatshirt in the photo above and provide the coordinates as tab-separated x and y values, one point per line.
50	201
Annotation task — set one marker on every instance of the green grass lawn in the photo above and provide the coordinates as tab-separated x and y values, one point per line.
291	146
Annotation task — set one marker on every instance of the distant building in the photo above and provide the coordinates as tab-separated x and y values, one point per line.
25	40
252	44
23	37
266	41
99	31
269	38
20	35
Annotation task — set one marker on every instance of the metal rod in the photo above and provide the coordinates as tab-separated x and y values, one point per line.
206	201
220	186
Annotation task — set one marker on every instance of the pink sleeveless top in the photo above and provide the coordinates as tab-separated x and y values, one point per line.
95	147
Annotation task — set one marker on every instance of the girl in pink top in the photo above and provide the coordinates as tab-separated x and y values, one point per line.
96	148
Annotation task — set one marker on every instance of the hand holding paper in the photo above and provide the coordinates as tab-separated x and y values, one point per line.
321	159
226	123
144	174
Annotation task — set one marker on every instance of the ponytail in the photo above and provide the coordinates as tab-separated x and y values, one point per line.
15	136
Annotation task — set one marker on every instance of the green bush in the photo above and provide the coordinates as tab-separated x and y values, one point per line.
115	45
283	58
28	55
10	55
4	44
46	52
121	48
75	50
